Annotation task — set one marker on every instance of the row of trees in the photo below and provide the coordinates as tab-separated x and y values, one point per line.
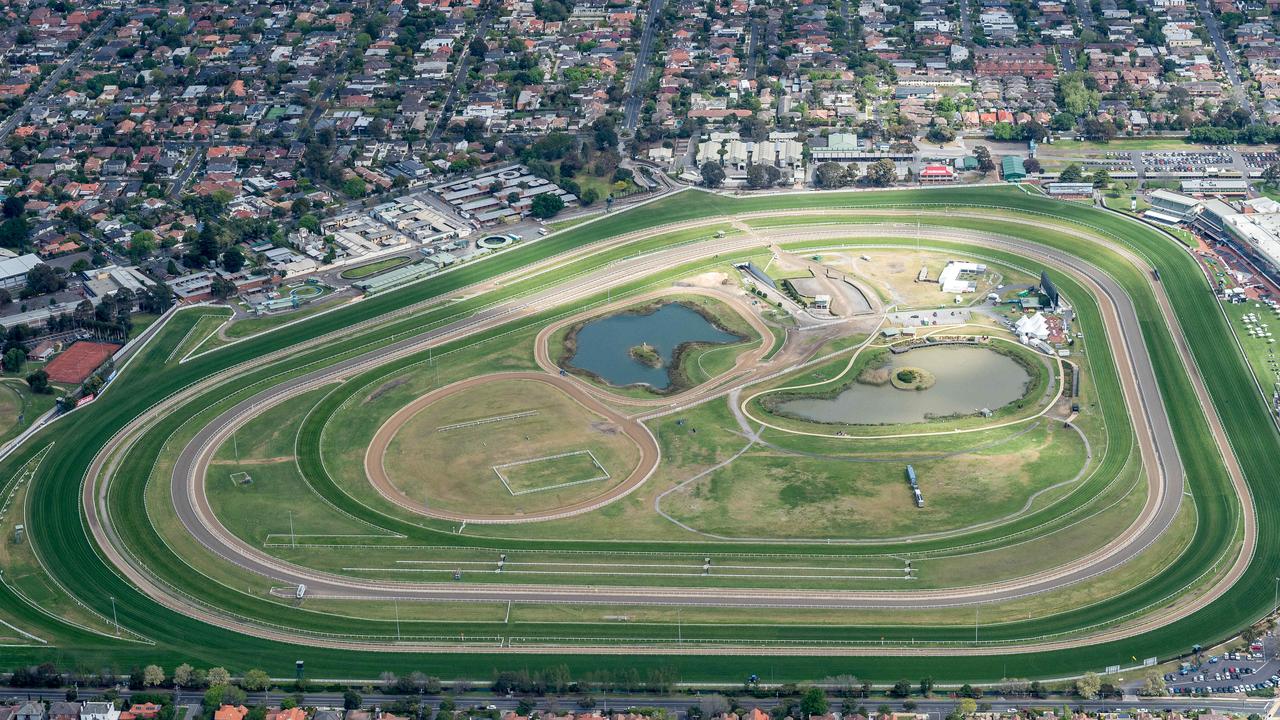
833	175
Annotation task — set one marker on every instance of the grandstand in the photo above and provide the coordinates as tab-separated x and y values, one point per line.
1171	208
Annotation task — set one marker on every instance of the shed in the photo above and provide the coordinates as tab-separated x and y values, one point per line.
1012	169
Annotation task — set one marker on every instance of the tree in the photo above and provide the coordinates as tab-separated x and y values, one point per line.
182	675
218	676
255	680
926	686
983	155
813	702
762	176
14	206
1095	129
232	259
1071	174
941	134
901	689
1271	176
354	188
1032	166
351	700
14	358
1088	686
712	174
222	289
1101	178
1005	132
967	706
14	232
831	175
42	279
152	676
882	173
545	205
1078	99
38	381
223	694
1154	684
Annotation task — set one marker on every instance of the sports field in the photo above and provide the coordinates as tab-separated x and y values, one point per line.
507	446
779	516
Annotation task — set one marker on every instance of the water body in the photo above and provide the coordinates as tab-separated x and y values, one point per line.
604	345
967	380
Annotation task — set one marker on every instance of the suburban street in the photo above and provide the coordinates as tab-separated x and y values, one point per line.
631	108
460	75
1224	55
73	61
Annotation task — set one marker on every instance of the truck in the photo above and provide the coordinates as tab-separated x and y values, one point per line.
911	476
919	498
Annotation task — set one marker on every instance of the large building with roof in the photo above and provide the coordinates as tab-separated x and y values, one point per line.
1258	231
1012	169
1171	208
13	270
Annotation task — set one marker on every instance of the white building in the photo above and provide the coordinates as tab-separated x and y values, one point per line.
99	711
1258	228
1031	327
13	271
955	278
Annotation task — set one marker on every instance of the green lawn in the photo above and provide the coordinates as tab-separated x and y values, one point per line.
363	271
76	563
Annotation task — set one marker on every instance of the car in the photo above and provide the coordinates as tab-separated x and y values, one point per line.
490	707
1213	659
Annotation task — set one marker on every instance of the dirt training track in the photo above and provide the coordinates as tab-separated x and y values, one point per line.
1160	457
638	433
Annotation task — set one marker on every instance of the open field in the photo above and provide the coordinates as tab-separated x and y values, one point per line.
206	322
363	271
1120	144
780	494
504	447
1208	540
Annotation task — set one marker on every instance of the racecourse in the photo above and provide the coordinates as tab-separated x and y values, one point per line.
1215	444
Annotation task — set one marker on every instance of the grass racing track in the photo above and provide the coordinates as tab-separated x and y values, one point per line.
72	558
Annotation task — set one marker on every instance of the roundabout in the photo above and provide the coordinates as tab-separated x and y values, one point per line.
439	454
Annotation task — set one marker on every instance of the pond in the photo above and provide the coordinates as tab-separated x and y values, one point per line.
604	346
966	379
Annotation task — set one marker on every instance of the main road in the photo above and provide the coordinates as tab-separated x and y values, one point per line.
1159	454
